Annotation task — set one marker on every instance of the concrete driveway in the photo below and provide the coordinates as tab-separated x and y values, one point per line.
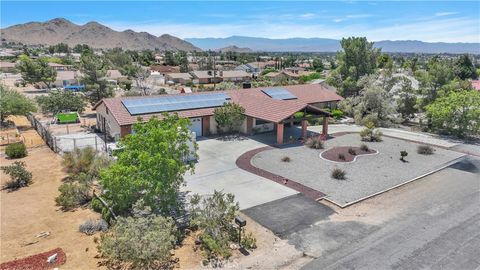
216	170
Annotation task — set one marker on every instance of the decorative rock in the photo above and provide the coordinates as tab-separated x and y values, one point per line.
52	258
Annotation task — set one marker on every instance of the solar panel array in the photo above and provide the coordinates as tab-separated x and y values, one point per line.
279	93
174	103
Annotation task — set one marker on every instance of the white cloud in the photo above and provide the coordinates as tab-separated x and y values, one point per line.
434	30
307	15
442	14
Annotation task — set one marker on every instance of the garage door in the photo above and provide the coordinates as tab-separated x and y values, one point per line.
196	126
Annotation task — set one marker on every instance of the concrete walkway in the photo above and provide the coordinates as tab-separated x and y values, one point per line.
216	170
392	132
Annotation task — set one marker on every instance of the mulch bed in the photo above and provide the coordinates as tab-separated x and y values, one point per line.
244	162
332	154
38	261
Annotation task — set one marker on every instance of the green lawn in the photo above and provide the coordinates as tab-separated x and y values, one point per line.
64	118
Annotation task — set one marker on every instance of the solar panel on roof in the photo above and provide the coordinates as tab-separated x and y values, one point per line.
174	103
279	93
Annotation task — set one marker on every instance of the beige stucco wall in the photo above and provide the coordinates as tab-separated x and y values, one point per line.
112	126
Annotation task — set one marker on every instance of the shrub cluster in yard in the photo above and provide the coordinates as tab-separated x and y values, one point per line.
19	176
16	150
315	142
425	150
215	215
352	151
370	134
338	174
403	154
143	242
286	159
83	167
341	156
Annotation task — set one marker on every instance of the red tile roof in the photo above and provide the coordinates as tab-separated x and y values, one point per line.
476	84
256	103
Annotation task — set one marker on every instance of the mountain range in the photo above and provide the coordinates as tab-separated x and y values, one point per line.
100	36
330	45
93	34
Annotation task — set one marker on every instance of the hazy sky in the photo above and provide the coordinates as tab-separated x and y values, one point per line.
446	21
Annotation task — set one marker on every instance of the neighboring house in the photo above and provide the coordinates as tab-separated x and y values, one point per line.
60	67
476	84
7	67
181	78
206	76
276	76
66	77
235	76
266	109
165	69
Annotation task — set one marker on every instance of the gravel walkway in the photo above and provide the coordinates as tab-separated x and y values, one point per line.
366	176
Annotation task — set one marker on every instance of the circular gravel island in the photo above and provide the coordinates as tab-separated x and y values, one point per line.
345	154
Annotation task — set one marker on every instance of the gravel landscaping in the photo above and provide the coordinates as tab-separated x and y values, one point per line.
365	176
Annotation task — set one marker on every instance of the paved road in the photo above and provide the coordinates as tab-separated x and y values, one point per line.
433	223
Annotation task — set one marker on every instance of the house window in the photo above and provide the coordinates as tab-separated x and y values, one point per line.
260	122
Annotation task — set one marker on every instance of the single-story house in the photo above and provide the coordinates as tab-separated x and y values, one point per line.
181	78
60	67
66	77
235	76
266	109
476	84
7	67
206	76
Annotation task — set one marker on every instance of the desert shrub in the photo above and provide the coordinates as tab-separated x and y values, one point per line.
425	150
215	215
73	194
286	159
248	240
364	147
338	174
341	156
16	150
337	114
143	243
19	176
85	160
370	134
96	205
229	117
315	142
403	154
90	226
352	151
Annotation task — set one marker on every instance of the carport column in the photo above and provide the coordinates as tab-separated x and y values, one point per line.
325	126
279	133
304	128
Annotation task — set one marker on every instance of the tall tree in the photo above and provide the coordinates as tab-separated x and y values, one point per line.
358	58
458	113
94	70
151	166
140	76
406	99
464	68
35	71
438	74
57	101
13	103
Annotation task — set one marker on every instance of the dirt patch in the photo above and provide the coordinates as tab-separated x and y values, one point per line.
344	153
39	261
29	211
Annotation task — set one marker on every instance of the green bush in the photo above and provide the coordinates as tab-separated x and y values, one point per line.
352	151
286	159
16	150
403	154
19	176
341	156
96	205
425	150
364	147
315	143
72	195
248	241
370	134
337	114
141	243
338	174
